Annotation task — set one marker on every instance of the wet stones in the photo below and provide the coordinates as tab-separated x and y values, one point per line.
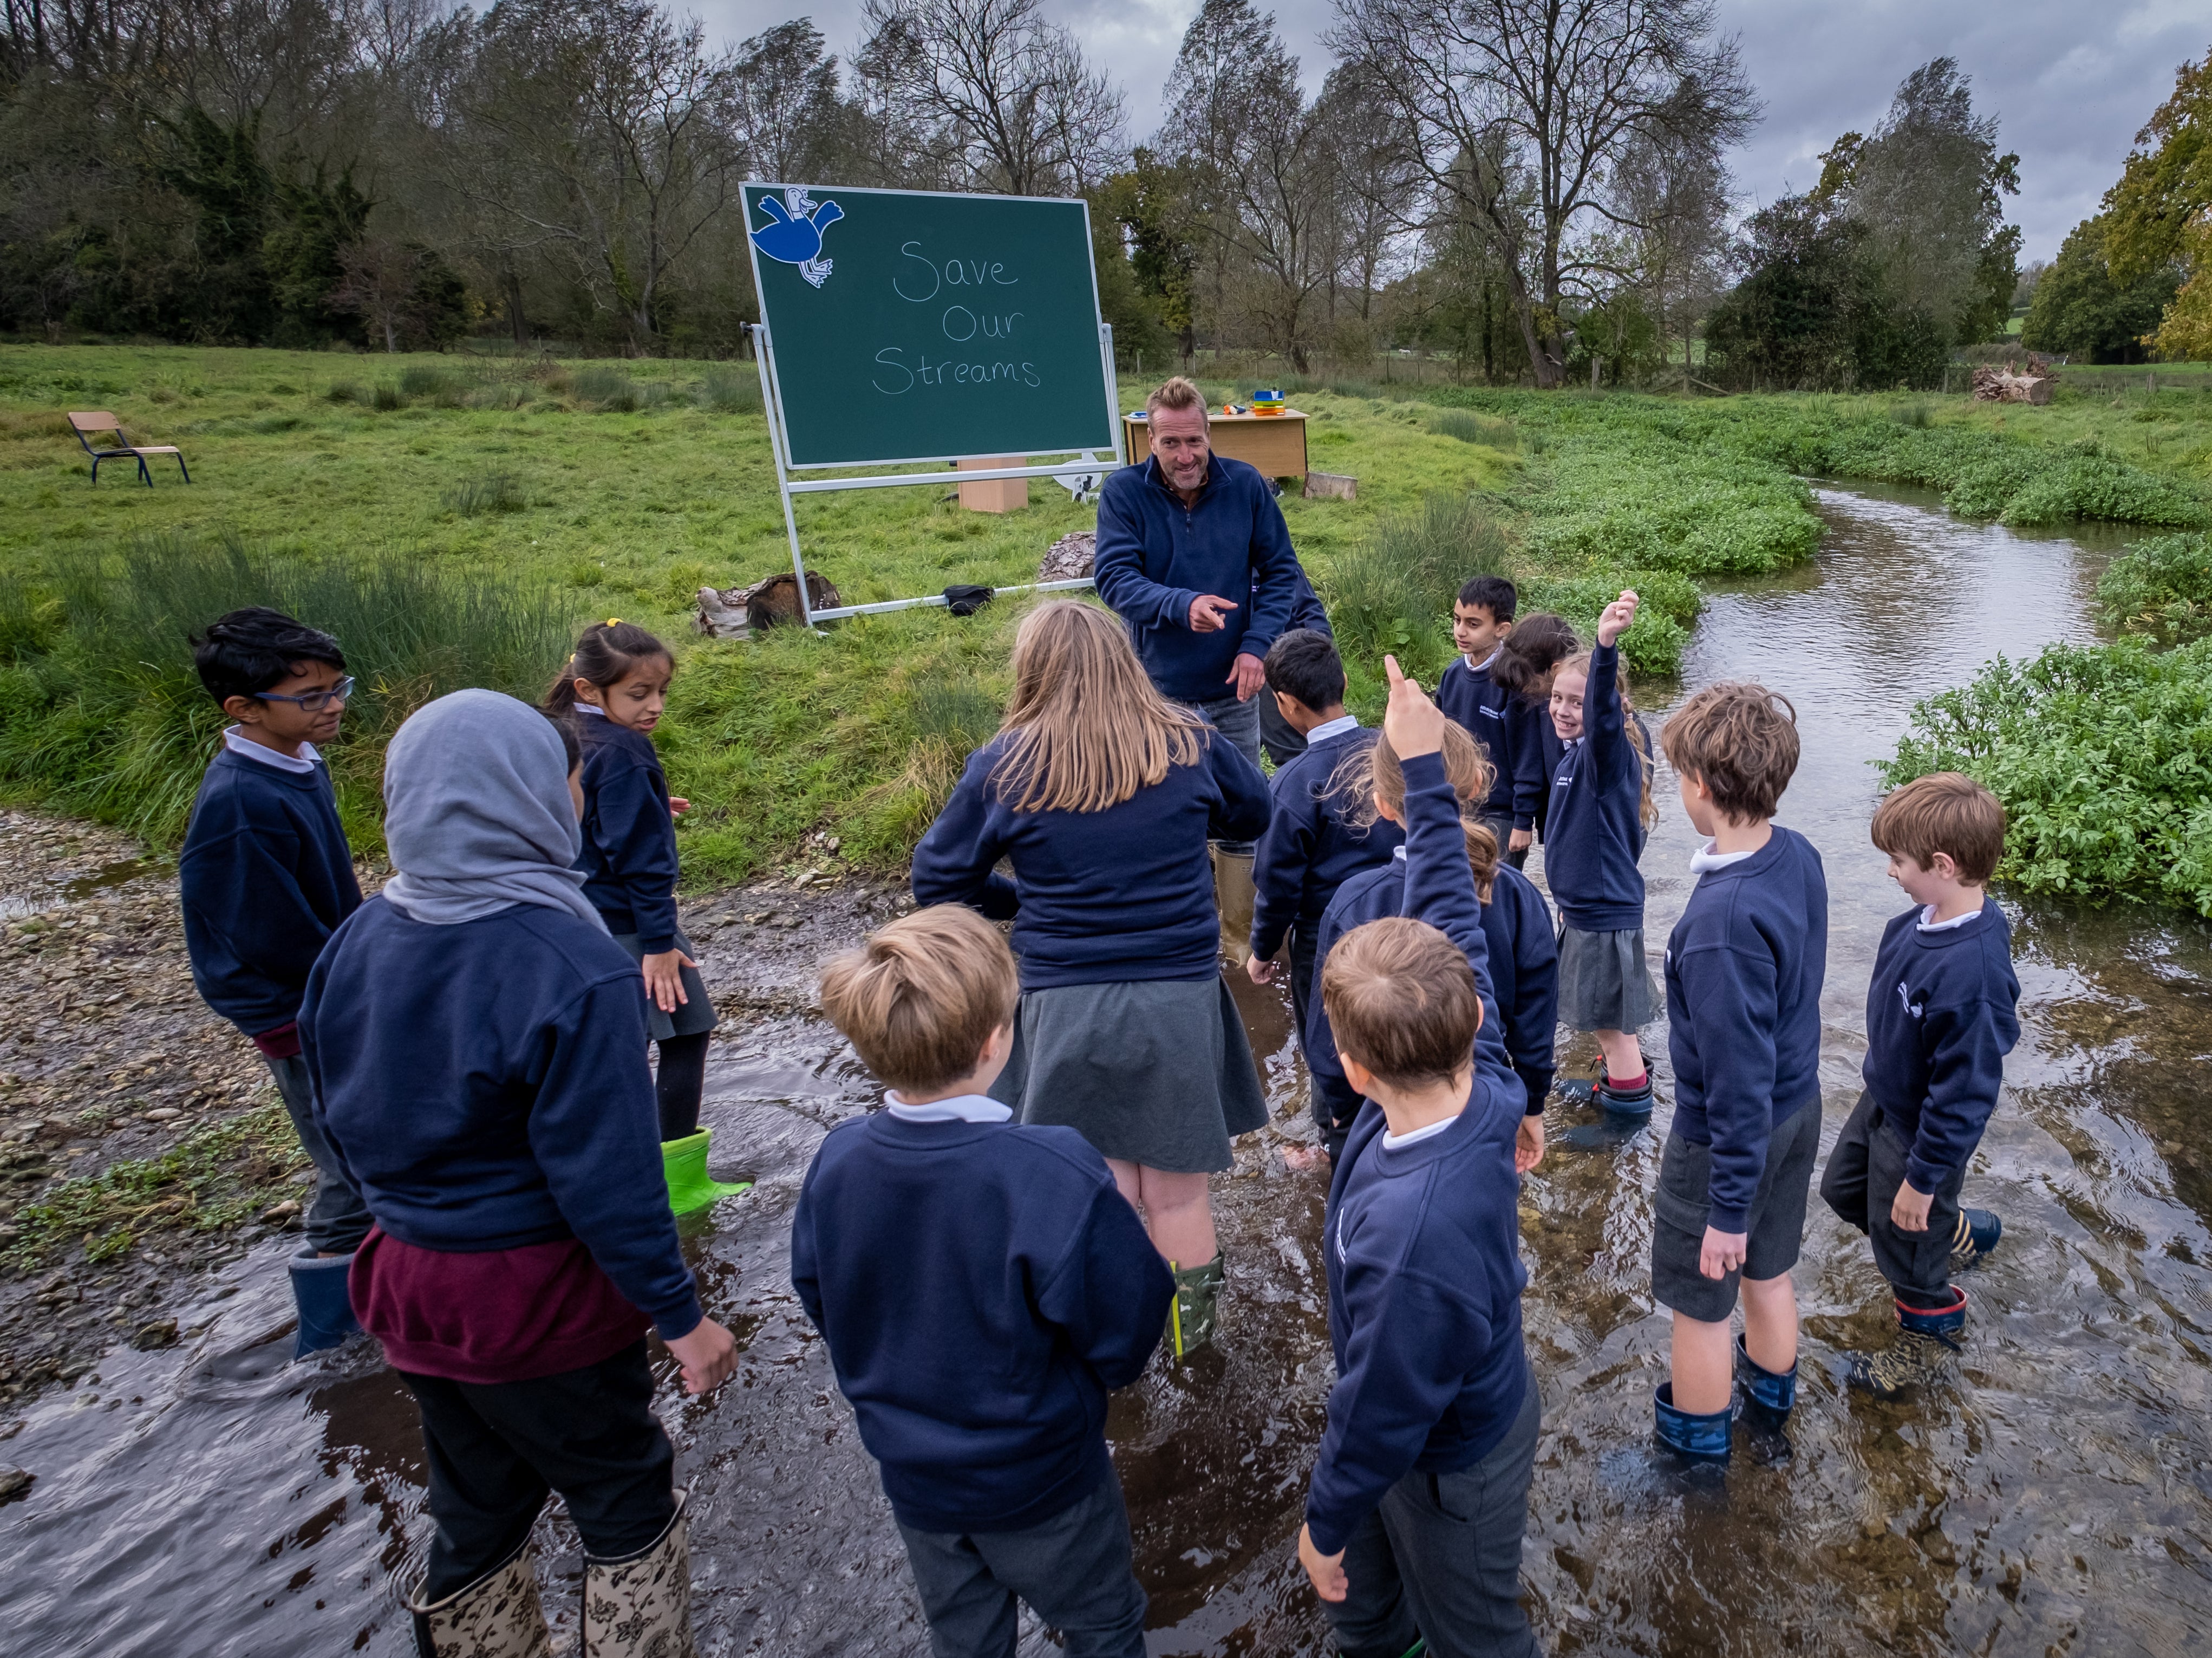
14	1483
155	1334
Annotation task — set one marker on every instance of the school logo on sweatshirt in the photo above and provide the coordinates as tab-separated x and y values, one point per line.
1918	1010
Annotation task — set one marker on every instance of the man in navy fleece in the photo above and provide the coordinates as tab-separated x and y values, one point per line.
1312	845
265	877
1942	1011
1744	970
981	1286
1419	1494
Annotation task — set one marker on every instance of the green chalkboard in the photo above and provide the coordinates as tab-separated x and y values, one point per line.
915	325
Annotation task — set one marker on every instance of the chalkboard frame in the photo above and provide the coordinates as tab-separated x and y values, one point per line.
1109	433
1086	463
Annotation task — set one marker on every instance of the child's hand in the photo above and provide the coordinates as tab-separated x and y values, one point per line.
1909	1213
1618	615
1327	1570
1528	1143
708	1355
1521	840
677	805
1261	972
664	978
1723	1253
1413	724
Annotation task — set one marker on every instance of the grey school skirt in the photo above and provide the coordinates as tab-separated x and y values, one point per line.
1604	982
1155	1072
692	1016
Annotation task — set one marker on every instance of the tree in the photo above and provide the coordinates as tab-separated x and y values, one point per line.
1374	187
790	122
2080	309
2159	215
1260	161
1522	110
1008	93
1929	187
1787	325
1153	204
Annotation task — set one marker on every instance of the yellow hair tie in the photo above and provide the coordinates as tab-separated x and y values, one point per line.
614	621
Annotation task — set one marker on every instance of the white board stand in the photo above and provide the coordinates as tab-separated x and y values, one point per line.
1083	463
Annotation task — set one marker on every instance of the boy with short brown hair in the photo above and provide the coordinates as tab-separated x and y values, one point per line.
981	1285
1744	970
1942	1014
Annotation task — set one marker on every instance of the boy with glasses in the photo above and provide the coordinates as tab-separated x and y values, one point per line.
267	876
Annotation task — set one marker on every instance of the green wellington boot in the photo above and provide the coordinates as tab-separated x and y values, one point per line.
1193	1314
689	1186
498	1616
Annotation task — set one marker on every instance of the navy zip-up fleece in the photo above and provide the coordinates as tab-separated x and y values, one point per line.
629	858
1523	957
1421	1242
485	1086
1155	554
982	1287
265	877
1098	897
1306	608
1942	1011
1310	848
1467	697
1744	969
1593	835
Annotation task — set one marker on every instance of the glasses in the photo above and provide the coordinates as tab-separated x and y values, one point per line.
314	702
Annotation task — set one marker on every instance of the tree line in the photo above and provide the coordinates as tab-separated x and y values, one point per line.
1535	190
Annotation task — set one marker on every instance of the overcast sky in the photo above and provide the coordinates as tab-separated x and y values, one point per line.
2071	81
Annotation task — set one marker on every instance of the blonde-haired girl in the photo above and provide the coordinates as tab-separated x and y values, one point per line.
1103	795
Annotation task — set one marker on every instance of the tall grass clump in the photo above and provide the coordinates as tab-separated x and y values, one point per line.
102	714
493	492
1393	594
609	390
386	397
731	391
1471	428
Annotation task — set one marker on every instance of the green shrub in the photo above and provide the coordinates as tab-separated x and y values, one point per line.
1632	500
1662	631
104	715
2161	586
2099	753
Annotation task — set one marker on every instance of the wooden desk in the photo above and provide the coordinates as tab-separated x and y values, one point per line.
1275	444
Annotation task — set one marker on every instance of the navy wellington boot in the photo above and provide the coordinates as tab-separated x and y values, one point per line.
1693	1438
1769	1396
1925	1345
319	1289
1978	1233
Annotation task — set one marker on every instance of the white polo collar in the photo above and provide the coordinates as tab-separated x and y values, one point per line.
962	1108
238	743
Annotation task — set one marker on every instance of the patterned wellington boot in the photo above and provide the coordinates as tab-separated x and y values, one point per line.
1693	1438
1978	1233
1922	1354
498	1616
640	1606
1234	896
1194	1312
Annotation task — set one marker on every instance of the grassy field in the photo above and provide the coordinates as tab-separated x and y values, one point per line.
454	519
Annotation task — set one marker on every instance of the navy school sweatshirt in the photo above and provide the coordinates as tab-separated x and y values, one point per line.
1488	712
629	858
1595	834
485	1085
265	878
1744	969
1421	1243
1942	1014
1098	897
982	1287
1310	849
1523	957
1156	555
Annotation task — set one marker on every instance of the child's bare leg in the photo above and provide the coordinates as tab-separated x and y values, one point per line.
1624	1056
1703	1361
1125	1177
1769	1322
1179	1214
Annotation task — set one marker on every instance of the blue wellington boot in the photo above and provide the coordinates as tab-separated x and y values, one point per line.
1599	1091
1978	1233
1772	1393
1693	1438
319	1289
1926	1343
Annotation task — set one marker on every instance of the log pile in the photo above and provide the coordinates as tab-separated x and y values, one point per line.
1068	559
734	612
2001	385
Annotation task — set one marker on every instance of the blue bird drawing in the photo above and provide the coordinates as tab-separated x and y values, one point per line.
794	236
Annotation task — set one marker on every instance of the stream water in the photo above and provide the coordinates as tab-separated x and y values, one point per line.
214	1499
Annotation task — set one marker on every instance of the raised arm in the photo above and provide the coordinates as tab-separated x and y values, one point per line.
1604	721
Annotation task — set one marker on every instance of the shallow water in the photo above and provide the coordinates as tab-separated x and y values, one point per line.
213	1499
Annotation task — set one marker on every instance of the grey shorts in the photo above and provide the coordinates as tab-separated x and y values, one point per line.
1776	1224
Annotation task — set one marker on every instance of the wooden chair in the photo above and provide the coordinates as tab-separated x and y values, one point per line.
100	420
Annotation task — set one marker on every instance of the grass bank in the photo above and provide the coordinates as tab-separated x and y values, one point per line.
454	520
